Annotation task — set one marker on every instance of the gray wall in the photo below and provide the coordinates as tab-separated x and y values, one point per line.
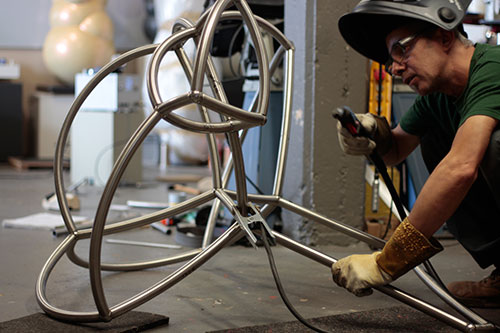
327	74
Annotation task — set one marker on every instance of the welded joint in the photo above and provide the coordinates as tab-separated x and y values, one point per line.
482	328
252	221
196	96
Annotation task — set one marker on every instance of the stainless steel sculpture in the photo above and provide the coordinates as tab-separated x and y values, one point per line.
249	210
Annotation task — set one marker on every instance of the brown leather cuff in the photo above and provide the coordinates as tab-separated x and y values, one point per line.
406	249
383	135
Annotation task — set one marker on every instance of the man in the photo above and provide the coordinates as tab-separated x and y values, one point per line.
455	120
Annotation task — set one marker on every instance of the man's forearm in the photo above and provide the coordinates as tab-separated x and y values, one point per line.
402	145
450	181
440	197
393	157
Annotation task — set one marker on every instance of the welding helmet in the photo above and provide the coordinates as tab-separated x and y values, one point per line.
366	27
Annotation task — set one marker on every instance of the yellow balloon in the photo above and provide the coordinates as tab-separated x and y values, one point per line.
67	50
98	24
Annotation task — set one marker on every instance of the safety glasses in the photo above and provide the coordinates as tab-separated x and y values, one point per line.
399	50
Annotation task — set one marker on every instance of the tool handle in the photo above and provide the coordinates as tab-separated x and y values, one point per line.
349	121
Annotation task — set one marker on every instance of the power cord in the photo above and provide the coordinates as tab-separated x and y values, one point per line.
277	279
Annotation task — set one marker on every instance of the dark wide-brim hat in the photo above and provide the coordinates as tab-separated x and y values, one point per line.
366	27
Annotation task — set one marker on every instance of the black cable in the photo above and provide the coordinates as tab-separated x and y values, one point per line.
277	279
390	210
380	165
254	185
231	45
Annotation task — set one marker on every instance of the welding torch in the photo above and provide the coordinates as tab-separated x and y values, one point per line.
350	122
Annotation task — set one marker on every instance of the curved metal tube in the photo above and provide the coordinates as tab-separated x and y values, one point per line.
143	220
75	107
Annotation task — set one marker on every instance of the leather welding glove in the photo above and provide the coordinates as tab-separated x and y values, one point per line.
406	249
377	135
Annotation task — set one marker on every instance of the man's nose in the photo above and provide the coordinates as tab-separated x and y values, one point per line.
397	68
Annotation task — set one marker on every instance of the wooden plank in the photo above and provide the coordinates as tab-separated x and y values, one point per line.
31	163
179	178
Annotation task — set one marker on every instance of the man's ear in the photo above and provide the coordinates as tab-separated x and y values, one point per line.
446	38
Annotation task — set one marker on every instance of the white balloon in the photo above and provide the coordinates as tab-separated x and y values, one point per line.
99	24
68	50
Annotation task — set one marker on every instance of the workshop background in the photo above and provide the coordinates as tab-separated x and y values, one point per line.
36	92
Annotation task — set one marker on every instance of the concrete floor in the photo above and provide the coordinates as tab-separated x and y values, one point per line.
234	289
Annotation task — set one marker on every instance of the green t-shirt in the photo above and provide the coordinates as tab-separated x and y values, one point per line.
439	112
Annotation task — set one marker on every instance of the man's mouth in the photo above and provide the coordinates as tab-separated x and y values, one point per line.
409	79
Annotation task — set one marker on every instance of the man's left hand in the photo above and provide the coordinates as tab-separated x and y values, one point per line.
359	272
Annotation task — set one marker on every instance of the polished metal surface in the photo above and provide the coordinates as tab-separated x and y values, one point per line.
249	210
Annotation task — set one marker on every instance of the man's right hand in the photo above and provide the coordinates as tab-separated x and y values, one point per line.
377	136
358	145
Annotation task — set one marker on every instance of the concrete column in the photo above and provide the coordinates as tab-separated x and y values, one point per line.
327	74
